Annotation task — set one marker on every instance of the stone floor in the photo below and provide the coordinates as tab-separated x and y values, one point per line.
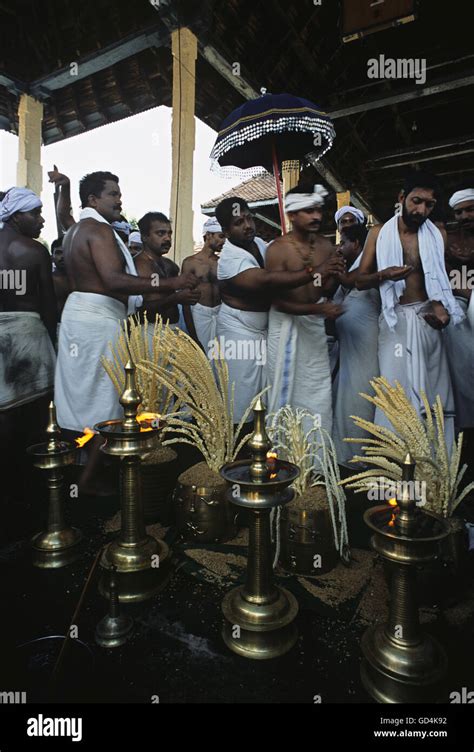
176	652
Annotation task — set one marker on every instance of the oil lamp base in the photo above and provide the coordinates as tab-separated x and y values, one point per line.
396	672
52	550
113	631
259	630
143	569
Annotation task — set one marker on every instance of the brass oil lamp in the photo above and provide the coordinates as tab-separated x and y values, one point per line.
142	563
259	616
402	664
58	546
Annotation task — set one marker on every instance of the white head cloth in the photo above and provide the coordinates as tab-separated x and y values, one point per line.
211	225
122	227
135	237
357	213
460	197
18	200
296	201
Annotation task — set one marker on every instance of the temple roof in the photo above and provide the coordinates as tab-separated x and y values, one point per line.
124	66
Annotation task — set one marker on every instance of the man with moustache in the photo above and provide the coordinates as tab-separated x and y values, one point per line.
404	258
298	359
201	319
156	234
106	288
348	216
248	287
460	339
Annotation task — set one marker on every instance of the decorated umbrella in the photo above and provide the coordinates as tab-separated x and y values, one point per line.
267	131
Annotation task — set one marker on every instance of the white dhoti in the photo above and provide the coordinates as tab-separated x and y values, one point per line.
205	323
242	340
27	359
298	369
460	349
84	393
358	332
414	354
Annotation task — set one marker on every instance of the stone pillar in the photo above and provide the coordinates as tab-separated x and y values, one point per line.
184	50
29	173
291	175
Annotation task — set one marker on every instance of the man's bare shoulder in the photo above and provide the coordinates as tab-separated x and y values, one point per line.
16	242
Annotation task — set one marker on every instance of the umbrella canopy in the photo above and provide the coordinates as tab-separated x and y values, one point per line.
282	123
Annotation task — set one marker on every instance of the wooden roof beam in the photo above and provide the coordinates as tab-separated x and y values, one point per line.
417	92
98	61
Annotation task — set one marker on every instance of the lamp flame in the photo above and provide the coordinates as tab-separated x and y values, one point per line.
86	436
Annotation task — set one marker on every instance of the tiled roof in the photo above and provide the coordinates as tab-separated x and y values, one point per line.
259	189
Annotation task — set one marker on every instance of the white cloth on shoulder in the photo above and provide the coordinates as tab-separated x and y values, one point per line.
414	354
234	259
84	393
460	349
205	323
298	369
437	284
27	359
134	301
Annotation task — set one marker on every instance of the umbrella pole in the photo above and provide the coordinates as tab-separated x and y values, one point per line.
276	173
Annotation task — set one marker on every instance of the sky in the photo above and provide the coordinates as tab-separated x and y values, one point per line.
138	150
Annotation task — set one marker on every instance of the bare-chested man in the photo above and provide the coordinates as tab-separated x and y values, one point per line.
156	233
405	259
298	360
460	339
247	291
27	328
105	288
201	319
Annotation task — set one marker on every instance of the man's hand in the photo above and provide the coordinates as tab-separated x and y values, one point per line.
460	254
186	280
439	318
330	311
332	267
395	273
188	297
57	178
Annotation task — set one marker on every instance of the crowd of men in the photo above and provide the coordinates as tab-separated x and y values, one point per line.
313	321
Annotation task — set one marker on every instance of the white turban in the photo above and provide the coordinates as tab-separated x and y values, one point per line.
296	201
135	237
18	200
211	225
360	216
123	226
460	197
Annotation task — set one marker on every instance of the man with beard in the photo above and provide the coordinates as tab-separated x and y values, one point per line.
106	288
247	289
460	339
201	319
405	259
298	359
156	234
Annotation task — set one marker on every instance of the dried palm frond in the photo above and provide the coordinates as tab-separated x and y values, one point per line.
425	439
136	343
177	379
313	452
